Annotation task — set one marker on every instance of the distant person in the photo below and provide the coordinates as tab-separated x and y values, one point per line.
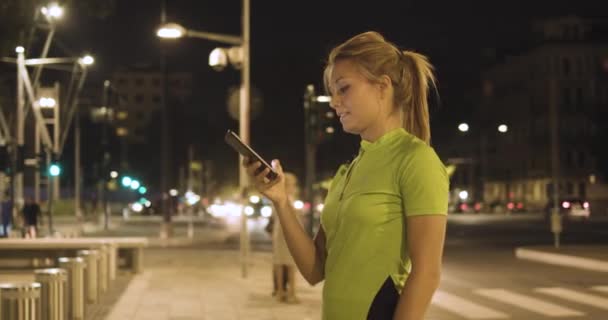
31	213
7	215
380	244
284	266
269	229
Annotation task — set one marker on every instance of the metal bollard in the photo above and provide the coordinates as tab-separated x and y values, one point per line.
112	263
90	278
52	293
102	269
75	292
20	301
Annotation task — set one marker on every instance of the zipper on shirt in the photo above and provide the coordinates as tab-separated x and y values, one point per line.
348	173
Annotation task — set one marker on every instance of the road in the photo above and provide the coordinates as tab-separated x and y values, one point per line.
481	277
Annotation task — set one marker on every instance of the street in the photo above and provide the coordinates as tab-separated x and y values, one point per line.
482	278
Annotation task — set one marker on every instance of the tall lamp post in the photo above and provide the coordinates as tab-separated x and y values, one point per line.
218	59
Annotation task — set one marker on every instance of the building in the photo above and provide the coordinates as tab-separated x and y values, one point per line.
139	91
564	70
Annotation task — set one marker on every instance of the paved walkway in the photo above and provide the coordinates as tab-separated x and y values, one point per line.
188	284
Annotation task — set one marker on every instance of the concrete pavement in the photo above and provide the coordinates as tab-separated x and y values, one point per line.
185	284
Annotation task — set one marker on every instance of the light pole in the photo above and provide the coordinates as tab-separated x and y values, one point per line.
174	31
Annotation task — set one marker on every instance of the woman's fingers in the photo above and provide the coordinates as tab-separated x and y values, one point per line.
251	168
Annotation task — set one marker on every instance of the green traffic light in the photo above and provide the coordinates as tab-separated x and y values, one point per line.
126	181
142	190
54	170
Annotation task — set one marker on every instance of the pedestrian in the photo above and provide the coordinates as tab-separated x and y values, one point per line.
7	215
269	229
380	244
284	265
31	213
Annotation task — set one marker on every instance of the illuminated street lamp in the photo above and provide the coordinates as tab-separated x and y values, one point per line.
463	127
174	31
52	11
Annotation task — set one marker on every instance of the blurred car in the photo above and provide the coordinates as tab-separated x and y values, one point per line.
466	207
512	206
570	209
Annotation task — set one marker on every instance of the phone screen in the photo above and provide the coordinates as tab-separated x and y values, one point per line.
237	144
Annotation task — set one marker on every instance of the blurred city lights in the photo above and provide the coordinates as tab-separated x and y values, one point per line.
298	204
113	174
173	192
19	49
249	210
266	211
171	31
503	128
463	127
254	199
45	102
463	195
135	185
52	11
87	60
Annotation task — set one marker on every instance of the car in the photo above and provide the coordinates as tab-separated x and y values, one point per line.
570	209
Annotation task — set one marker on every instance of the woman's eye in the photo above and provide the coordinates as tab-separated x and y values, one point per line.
344	89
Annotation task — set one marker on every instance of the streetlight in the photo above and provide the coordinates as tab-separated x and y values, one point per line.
174	31
53	11
463	127
503	128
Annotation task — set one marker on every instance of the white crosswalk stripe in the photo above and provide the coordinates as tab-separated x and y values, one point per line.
600	288
529	303
465	308
578	297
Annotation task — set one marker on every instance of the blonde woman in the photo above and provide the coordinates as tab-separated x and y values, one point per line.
380	245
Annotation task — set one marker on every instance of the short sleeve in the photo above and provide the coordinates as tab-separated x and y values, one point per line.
424	183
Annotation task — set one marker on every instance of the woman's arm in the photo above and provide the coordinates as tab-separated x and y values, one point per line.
425	237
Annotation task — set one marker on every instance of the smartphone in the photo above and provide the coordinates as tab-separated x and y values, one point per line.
237	144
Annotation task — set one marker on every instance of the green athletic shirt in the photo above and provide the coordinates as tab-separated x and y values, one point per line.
395	177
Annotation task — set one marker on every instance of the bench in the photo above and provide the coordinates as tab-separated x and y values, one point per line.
129	248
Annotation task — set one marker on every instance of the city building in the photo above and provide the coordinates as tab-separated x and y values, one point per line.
565	69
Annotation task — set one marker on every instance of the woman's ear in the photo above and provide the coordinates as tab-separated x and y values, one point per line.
385	86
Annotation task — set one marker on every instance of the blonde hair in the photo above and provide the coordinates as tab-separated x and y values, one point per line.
411	75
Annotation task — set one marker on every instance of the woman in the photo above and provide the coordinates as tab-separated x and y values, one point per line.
380	244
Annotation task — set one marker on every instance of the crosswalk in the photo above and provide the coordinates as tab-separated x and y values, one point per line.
545	302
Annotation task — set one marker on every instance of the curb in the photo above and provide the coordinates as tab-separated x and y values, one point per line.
562	260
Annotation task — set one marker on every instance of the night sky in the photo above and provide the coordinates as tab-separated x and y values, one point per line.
289	42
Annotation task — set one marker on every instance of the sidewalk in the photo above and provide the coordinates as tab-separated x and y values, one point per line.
588	257
188	284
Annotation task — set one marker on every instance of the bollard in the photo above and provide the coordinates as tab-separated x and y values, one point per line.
74	299
112	261
90	275
102	269
20	301
52	293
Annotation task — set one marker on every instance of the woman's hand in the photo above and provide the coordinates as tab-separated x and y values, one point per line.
273	190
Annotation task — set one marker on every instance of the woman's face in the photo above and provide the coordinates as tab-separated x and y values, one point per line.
355	99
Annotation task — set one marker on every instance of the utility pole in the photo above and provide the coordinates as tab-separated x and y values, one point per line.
244	112
556	222
311	153
165	231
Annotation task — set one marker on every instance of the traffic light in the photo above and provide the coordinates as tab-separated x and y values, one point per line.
55	166
320	117
126	181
